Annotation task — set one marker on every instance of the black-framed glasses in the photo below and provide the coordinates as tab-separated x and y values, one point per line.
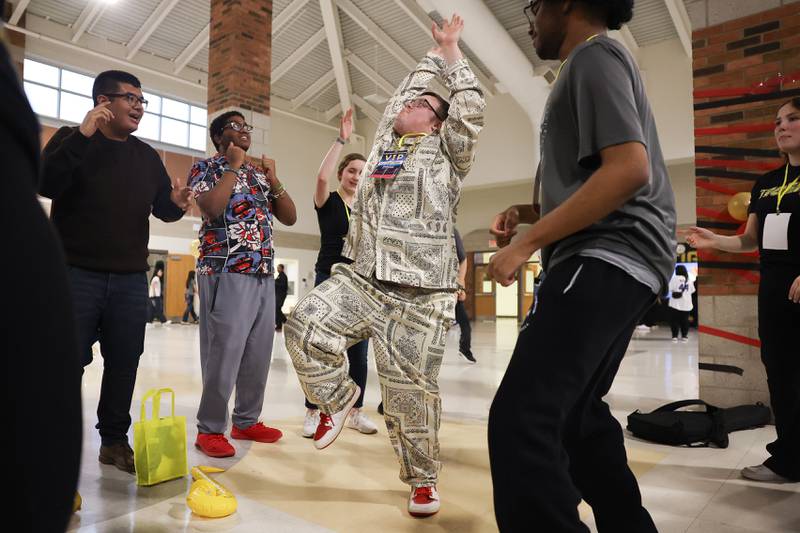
423	102
531	10
131	98
237	126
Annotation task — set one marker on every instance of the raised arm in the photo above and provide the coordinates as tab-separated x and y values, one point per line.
328	166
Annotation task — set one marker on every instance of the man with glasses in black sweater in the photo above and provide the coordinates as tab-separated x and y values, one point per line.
104	184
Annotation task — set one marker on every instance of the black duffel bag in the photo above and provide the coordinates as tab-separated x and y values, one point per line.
667	425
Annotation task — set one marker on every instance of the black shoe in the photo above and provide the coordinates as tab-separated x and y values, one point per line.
380	408
468	356
118	454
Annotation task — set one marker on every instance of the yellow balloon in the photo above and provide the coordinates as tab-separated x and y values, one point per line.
738	205
194	248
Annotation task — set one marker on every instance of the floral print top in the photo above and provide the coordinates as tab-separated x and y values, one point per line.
240	240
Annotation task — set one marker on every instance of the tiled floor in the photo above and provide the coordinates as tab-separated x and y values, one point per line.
352	486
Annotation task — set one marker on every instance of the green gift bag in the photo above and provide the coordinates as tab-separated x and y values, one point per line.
159	443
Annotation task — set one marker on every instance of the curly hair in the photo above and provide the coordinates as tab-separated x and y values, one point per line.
614	12
218	125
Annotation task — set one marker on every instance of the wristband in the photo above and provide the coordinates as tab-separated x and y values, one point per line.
341	141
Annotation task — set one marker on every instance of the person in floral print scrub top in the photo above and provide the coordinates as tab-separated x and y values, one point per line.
238	201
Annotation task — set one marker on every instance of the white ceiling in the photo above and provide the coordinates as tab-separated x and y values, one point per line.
173	29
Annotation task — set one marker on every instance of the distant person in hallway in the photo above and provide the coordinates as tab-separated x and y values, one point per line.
281	291
188	295
333	216
105	183
156	296
43	366
607	239
773	228
238	201
681	289
462	318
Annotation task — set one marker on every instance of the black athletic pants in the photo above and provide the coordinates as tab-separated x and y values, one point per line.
552	438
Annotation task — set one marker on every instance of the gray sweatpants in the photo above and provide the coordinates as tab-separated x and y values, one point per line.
237	323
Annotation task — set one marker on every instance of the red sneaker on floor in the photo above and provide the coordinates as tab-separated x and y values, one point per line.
257	432
423	502
214	445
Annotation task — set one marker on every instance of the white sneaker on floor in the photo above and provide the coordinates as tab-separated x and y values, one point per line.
358	420
685	339
310	423
423	502
331	425
762	473
674	339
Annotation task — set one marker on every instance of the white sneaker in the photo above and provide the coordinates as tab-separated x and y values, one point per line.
674	339
763	473
685	339
423	502
331	425
310	423
358	420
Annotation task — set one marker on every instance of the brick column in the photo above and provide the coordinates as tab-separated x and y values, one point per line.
240	64
738	53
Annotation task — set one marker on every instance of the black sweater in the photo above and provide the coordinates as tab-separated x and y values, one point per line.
103	192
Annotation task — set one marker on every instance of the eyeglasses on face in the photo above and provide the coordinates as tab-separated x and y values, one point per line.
422	102
131	98
531	10
238	126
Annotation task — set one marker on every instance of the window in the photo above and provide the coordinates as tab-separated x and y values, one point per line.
66	95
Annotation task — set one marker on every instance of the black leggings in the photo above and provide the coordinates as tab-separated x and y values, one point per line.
778	327
679	320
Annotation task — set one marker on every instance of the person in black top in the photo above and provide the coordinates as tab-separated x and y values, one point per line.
333	214
42	365
104	184
465	340
773	228
281	291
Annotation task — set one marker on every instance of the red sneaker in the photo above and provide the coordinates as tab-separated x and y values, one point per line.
331	425
214	445
423	502
257	432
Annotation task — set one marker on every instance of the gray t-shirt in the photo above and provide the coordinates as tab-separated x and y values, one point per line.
599	101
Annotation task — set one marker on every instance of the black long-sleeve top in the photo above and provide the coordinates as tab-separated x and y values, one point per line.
103	192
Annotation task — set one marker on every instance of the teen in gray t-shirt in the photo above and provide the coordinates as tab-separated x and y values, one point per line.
599	101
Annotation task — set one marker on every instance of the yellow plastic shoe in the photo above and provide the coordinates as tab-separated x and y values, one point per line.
208	498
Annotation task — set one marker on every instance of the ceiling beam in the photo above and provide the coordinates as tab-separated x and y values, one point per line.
680	18
368	110
422	19
92	9
333	33
381	37
369	72
332	112
150	25
281	21
199	42
314	89
19	9
296	56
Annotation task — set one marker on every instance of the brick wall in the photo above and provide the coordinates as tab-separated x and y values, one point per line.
740	53
240	55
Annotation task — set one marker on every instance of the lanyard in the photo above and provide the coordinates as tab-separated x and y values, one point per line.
415	139
561	66
346	208
784	189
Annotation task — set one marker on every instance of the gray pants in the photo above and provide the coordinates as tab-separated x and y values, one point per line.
237	323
